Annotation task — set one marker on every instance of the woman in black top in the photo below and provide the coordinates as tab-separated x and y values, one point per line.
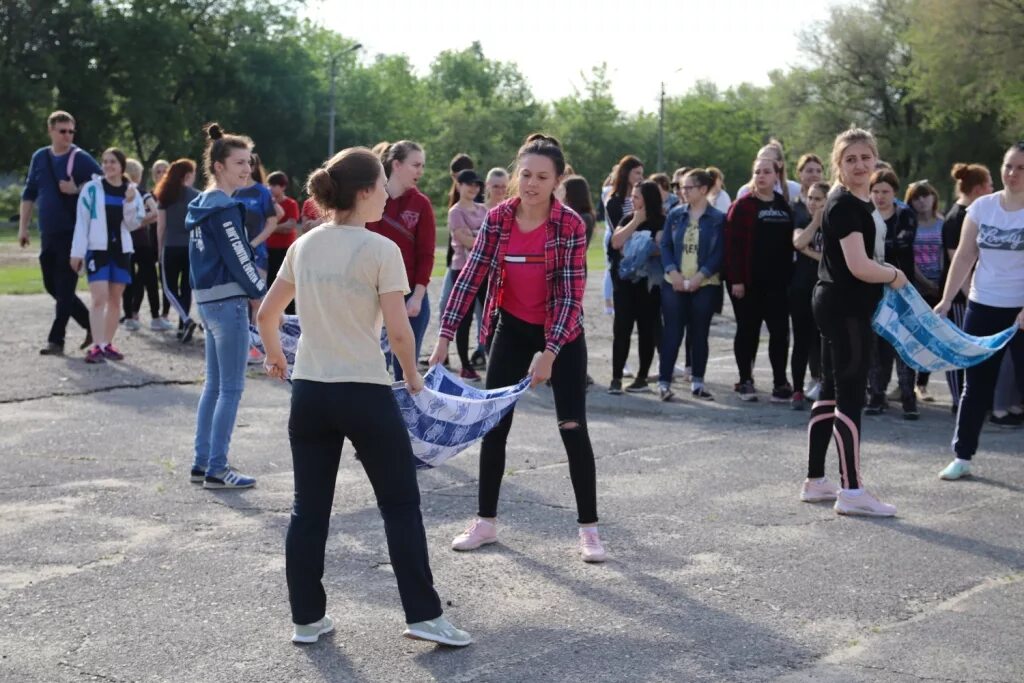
807	242
850	277
635	302
575	193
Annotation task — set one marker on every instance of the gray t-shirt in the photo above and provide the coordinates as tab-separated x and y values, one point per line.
175	234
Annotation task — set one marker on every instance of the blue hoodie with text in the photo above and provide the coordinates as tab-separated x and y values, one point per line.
220	257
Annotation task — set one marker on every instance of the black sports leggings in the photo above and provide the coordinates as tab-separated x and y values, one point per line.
769	305
462	334
806	338
176	274
144	282
845	358
511	351
635	304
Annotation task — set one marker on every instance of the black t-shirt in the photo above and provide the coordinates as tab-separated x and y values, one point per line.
114	205
614	209
773	242
844	215
900	233
951	229
651	225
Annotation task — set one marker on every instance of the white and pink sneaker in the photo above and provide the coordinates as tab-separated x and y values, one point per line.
818	490
590	545
480	532
864	504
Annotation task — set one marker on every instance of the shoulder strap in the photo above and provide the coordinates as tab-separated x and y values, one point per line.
71	161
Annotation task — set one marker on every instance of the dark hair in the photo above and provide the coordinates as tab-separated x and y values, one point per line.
460	162
59	116
259	173
969	176
545	146
885	175
820	185
334	185
396	151
620	188
219	146
921	188
577	194
809	159
121	159
278	178
702	177
652	199
661	179
169	189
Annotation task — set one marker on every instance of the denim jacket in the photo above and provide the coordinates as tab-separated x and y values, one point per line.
710	248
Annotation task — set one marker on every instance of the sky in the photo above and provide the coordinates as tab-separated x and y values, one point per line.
554	42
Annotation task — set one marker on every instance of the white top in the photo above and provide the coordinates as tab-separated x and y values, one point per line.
794	190
339	273
999	276
722	201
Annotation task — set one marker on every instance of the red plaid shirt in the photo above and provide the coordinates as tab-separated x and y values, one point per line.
564	260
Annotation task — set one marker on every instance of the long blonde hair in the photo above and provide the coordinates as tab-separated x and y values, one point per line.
851	136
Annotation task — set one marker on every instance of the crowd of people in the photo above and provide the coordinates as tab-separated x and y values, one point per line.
806	258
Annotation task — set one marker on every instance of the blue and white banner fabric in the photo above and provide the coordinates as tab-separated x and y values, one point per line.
449	416
289	340
927	342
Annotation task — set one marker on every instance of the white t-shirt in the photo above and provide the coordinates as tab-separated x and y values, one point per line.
794	190
999	275
339	273
722	201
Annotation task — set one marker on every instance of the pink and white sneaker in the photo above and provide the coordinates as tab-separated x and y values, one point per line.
864	504
480	532
590	545
816	491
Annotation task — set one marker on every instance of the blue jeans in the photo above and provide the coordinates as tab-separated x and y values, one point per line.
226	325
689	312
419	330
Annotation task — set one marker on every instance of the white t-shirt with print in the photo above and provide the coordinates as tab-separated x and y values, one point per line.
999	276
339	273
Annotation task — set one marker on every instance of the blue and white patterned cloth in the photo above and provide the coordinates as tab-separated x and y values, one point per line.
289	340
449	416
927	342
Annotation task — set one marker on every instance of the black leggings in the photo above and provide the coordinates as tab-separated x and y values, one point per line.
175	267
769	305
511	351
144	282
635	304
806	338
275	258
883	358
462	334
845	358
323	414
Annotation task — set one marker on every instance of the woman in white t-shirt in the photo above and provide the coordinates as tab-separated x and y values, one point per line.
992	238
346	281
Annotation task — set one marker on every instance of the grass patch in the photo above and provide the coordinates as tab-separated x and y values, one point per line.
27	279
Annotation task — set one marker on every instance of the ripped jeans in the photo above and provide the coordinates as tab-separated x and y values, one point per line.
511	351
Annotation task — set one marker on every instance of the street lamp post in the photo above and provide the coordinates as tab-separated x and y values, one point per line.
333	113
661	130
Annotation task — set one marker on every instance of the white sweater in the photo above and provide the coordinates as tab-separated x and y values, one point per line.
91	220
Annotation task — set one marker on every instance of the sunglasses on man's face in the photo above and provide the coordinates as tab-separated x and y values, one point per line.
66	131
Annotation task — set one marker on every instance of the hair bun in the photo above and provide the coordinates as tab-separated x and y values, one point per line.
214	131
960	171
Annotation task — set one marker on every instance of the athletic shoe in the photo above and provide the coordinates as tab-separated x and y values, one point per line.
196	476
591	549
665	393
88	341
310	633
615	388
818	491
187	332
626	372
480	532
702	394
51	349
747	391
876	405
798	401
1008	421
923	395
161	325
638	386
910	409
814	392
956	470
132	325
782	394
95	355
469	374
111	353
478	360
865	505
228	479
255	356
438	630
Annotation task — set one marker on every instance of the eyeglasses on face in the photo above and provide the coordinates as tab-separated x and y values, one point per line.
66	131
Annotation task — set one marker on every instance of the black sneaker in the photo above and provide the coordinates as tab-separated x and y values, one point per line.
638	386
197	476
615	387
875	406
910	409
88	341
187	332
782	394
702	393
478	360
665	393
51	349
747	392
1008	421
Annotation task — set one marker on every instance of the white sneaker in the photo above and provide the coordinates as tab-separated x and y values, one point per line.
438	630
480	532
923	395
591	549
132	325
161	325
818	491
865	504
683	374
310	633
814	392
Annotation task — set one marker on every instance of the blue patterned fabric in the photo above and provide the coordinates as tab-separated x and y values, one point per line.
927	342
449	416
289	340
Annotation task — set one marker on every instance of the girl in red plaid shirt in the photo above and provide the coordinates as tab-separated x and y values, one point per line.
530	254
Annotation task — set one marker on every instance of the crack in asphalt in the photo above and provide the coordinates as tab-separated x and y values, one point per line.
101	390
